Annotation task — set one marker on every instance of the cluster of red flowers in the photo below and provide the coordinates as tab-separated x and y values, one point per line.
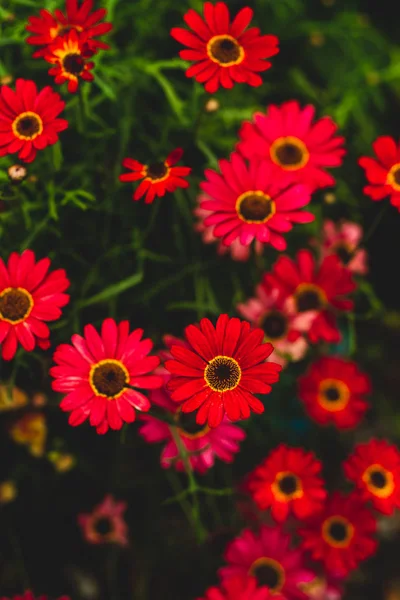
212	378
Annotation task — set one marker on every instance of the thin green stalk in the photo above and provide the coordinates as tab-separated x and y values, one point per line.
376	222
193	487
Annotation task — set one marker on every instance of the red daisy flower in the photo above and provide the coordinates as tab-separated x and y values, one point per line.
375	469
158	178
49	26
287	138
288	479
105	524
221	369
28	119
248	203
341	535
98	373
333	391
383	174
29	296
307	286
202	444
29	596
237	588
224	53
70	55
268	557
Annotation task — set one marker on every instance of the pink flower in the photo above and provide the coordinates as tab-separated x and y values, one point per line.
343	240
268	557
29	295
250	202
105	525
283	326
98	373
238	251
237	588
294	145
201	443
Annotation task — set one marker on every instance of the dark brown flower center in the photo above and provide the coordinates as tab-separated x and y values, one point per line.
268	574
274	325
288	484
15	304
157	170
378	479
345	255
396	176
222	373
28	126
109	378
254	207
103	525
338	531
225	49
309	298
289	154
332	394
73	63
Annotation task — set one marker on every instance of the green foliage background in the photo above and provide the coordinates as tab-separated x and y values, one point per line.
146	264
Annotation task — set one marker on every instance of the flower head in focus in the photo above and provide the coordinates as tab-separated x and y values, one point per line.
224	52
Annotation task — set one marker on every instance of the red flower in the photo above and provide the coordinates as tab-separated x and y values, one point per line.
237	588
308	286
69	54
28	119
268	557
221	370
48	26
288	479
333	391
293	144
158	178
342	535
224	53
29	296
247	203
375	469
29	596
383	174
98	373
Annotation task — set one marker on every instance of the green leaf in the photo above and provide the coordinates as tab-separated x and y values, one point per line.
113	290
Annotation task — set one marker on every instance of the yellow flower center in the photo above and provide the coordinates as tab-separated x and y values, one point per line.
379	481
393	177
337	531
333	395
309	296
108	378
222	373
255	207
27	126
225	51
287	486
290	153
15	305
268	572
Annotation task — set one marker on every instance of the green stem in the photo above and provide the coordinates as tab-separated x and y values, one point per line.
201	532
376	222
81	111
